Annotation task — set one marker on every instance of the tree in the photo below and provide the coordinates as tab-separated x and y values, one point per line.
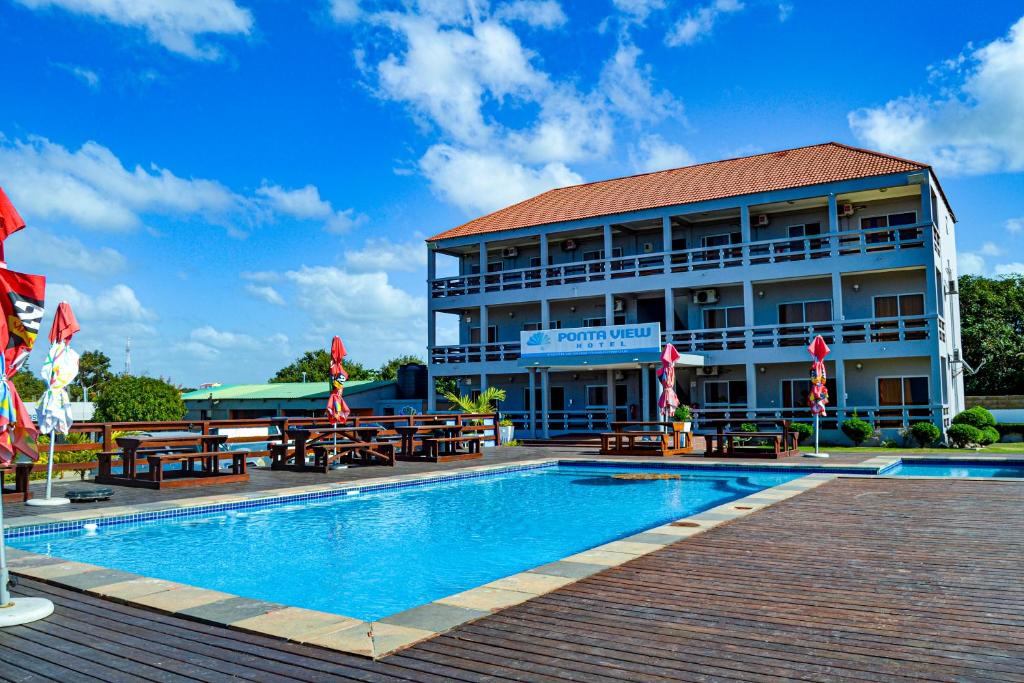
93	373
317	366
127	398
390	369
29	387
992	331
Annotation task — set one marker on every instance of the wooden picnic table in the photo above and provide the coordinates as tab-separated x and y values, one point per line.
640	437
759	444
189	449
408	435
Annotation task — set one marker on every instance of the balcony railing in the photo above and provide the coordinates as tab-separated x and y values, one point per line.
897	329
709	418
873	330
784	250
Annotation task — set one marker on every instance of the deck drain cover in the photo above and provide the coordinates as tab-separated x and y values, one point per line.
685	524
743	507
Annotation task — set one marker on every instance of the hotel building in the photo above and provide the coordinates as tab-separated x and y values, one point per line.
564	300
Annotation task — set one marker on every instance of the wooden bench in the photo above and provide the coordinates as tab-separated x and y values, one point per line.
446	448
20	492
190	475
363	452
639	438
759	444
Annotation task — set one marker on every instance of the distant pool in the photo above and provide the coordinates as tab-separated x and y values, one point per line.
382	552
957	468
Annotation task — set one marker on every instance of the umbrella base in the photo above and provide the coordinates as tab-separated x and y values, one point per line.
815	455
47	502
25	610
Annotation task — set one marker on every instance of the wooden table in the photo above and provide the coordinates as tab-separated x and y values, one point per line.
646	438
408	435
188	448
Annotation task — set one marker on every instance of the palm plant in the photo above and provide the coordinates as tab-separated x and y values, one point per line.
483	403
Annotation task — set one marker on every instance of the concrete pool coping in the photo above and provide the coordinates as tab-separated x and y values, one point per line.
384	636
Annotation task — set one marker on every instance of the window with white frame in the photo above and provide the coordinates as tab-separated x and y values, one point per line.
725	316
796	312
597	254
722	393
534	326
889	220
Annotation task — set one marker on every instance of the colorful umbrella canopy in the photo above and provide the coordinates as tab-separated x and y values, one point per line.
59	370
337	409
21	302
10	221
668	401
17	433
818	397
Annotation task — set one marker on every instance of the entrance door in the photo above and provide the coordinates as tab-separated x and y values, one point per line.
621	403
557	399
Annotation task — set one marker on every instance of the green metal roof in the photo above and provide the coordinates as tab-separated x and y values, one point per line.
280	390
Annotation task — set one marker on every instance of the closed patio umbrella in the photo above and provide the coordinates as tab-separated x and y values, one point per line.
337	409
54	409
668	401
10	221
818	398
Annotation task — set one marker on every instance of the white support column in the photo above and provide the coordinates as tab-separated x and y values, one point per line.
666	241
833	223
837	299
545	401
531	401
431	391
645	391
670	311
607	234
545	314
609	309
610	389
839	400
544	260
751	386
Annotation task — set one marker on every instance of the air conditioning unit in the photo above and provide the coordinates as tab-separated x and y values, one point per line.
510	252
707	371
705	296
844	210
569	245
648	247
618	305
761	220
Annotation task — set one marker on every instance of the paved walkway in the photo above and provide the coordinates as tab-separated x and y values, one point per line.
859	579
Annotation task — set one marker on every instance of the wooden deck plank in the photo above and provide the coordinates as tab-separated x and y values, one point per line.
860	579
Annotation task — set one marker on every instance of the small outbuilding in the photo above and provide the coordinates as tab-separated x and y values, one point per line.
295	399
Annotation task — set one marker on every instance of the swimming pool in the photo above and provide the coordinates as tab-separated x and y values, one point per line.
957	468
377	553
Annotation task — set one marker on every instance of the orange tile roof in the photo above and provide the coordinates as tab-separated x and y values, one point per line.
800	167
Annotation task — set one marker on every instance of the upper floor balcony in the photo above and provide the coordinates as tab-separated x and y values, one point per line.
708	257
906	328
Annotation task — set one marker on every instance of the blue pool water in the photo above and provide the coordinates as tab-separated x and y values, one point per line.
375	554
951	468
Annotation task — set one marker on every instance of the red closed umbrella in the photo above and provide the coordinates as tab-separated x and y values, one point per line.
818	397
10	221
668	401
337	409
64	324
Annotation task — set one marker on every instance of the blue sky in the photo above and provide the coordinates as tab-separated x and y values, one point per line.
232	182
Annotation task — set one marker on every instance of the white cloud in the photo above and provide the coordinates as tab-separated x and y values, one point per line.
638	10
653	153
483	182
991	249
118	304
266	293
223	340
785	11
539	13
177	25
969	263
359	297
207	343
973	125
305	204
1014	225
344	11
700	22
45	249
630	90
1014	268
87	76
92	188
381	254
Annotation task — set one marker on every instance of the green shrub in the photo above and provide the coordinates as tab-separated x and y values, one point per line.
139	399
803	431
748	427
989	436
962	435
857	430
925	433
977	417
683	414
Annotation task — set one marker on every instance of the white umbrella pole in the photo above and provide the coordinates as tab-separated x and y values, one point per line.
22	610
48	500
817	423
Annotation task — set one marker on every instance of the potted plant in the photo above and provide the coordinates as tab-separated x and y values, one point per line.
685	415
482	404
507	430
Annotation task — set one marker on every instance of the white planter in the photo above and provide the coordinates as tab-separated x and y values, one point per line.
507	433
687	426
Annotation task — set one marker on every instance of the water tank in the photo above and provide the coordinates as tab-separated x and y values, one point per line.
412	381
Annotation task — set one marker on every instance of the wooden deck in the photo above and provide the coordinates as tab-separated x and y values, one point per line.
859	579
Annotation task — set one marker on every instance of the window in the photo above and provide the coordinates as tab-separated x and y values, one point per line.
678	243
599	254
805	230
721	240
492	267
805	312
492	334
593	322
534	326
796	391
719	393
899	305
717	318
597	396
889	221
903	391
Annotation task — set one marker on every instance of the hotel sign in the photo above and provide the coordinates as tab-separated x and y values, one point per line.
591	340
